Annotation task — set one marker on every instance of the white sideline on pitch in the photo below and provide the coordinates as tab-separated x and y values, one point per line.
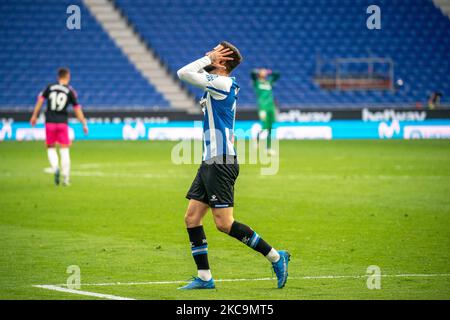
61	287
264	279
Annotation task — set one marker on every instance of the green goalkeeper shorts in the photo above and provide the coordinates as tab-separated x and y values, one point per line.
267	119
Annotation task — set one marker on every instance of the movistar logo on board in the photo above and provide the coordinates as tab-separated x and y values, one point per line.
392	115
6	130
133	133
388	131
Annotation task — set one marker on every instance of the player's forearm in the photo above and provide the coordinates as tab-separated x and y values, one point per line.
36	111
80	116
275	76
38	106
191	73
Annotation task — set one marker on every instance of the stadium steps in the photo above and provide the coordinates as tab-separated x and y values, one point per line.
444	5
117	27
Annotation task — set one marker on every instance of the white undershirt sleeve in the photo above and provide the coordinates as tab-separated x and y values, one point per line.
193	73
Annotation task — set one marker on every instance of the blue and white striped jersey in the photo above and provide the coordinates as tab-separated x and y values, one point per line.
219	107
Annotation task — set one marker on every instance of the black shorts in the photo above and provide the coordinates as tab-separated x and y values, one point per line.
214	182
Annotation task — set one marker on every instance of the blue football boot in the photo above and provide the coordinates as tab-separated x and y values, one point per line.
198	283
281	268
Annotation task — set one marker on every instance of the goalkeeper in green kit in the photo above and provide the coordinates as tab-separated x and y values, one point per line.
263	80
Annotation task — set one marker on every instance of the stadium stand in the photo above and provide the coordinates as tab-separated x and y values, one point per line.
288	35
34	42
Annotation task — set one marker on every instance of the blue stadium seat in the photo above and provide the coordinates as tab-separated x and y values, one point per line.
285	35
288	34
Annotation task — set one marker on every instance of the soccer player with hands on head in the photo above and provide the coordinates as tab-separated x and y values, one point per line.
263	81
213	186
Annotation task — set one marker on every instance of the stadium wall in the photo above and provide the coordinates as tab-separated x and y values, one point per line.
292	124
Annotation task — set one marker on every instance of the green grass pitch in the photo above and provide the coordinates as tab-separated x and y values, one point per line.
337	206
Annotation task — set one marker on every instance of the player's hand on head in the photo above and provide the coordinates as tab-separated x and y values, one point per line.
219	55
215	48
218	47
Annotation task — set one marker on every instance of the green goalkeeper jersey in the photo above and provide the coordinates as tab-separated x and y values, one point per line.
263	90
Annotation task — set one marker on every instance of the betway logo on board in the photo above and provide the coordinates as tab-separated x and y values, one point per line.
392	115
298	116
